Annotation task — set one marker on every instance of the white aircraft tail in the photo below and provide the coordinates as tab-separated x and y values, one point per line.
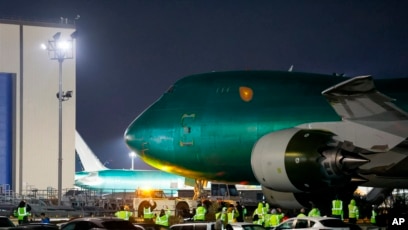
88	159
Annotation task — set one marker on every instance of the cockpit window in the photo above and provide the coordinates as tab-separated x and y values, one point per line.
246	93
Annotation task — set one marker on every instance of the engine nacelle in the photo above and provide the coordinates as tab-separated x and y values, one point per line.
282	199
296	160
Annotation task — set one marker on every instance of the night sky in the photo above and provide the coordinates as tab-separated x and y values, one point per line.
129	52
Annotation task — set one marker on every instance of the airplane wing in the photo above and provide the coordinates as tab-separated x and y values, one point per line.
358	99
365	113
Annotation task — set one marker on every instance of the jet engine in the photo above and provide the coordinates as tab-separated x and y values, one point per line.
302	161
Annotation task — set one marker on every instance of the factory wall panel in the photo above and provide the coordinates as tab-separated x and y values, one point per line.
10	54
35	139
9	48
41	107
6	128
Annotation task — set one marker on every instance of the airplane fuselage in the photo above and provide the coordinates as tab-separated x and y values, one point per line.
122	180
205	126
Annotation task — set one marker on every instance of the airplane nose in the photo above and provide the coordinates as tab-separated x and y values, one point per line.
134	137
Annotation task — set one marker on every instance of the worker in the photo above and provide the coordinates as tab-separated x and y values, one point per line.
315	212
256	220
353	212
163	218
221	218
280	214
124	213
232	214
244	213
267	216
260	212
200	213
148	211
44	219
241	212
23	212
274	219
337	208
373	215
302	213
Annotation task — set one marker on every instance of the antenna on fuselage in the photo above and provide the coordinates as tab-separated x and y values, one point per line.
339	74
290	68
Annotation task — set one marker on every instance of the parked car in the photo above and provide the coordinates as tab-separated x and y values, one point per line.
194	226
6	209
244	226
106	223
37	226
5	222
147	226
313	223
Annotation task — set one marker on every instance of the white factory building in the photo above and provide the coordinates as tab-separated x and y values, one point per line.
37	143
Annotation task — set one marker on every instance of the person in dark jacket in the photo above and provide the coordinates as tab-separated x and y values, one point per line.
44	218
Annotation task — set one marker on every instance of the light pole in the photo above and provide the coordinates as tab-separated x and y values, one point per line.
60	50
132	155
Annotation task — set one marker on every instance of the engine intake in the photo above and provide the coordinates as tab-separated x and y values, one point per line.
297	160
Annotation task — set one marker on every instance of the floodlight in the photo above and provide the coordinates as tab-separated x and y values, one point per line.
57	36
68	94
74	34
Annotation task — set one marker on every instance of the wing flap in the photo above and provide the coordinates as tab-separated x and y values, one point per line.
358	99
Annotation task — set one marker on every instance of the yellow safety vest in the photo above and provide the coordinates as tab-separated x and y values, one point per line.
353	211
337	207
373	215
274	220
200	213
222	216
259	221
147	213
163	220
123	214
231	217
301	215
267	222
22	212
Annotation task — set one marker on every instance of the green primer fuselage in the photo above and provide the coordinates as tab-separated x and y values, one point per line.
122	180
203	128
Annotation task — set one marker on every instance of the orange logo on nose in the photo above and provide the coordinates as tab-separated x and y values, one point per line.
246	93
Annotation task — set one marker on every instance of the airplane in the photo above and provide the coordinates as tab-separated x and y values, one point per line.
276	129
98	177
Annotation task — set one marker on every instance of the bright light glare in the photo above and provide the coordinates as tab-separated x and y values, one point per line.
63	45
43	46
132	154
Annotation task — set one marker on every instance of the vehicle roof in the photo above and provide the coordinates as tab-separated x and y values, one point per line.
35	226
96	219
313	218
193	223
189	223
6	222
150	226
242	223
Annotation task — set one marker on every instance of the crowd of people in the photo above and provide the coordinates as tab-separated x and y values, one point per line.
263	214
226	213
271	217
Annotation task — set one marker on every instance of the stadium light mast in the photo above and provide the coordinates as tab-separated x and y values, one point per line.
132	155
60	50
